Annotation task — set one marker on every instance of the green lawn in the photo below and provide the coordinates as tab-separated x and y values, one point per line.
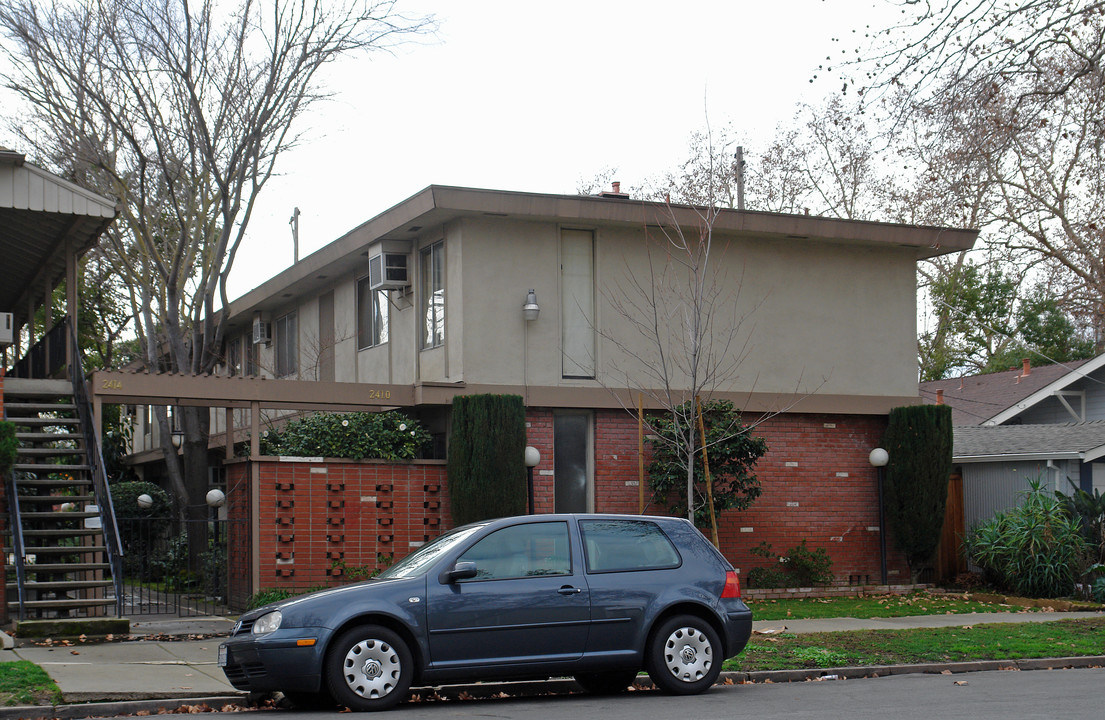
874	606
24	683
999	641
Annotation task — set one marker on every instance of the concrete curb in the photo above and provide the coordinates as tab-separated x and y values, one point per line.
559	686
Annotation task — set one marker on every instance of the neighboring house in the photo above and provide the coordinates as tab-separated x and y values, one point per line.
1031	422
425	302
46	225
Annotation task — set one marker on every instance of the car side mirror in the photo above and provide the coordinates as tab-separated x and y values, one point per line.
460	571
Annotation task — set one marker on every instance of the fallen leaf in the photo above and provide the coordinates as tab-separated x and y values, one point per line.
945	672
960	682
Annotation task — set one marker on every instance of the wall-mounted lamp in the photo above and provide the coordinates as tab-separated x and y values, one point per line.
531	309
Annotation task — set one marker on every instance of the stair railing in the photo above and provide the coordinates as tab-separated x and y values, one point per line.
108	522
17	542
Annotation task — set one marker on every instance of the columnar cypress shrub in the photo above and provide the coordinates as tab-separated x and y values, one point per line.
919	441
487	470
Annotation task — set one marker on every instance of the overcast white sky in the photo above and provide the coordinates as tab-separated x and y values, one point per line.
531	96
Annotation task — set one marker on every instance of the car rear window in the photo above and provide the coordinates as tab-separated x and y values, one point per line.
624	545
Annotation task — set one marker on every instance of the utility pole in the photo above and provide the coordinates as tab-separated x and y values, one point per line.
294	222
738	166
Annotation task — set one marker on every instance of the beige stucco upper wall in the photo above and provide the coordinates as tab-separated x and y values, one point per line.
798	316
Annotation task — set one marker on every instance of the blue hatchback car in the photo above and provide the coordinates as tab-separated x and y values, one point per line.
597	597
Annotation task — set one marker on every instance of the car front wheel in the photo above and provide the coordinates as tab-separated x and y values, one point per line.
684	655
369	668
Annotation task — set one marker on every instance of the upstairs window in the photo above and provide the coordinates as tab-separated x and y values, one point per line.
433	294
372	315
286	341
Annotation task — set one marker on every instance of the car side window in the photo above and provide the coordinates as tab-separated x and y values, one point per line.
625	545
529	550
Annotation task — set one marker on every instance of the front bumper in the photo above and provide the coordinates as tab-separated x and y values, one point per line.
274	662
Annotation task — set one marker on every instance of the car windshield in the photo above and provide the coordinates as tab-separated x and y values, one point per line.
419	561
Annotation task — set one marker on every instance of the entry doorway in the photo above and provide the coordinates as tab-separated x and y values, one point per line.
573	466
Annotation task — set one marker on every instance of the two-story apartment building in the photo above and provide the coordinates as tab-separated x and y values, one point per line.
459	290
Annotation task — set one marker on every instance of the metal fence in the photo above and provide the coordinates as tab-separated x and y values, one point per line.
173	567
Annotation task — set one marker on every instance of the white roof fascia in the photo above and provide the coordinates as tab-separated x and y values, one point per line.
1093	454
1045	392
1019	457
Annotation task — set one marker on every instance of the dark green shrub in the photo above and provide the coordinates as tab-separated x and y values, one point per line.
1034	550
1099	590
486	464
800	567
356	436
919	441
124	498
733	453
9	447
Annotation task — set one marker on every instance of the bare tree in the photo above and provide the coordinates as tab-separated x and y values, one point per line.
180	111
954	49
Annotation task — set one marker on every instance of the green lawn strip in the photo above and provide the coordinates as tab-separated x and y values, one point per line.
874	606
24	683
998	641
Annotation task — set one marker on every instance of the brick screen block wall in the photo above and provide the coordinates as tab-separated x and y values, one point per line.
325	523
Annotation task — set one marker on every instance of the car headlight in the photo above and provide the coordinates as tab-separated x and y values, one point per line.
267	623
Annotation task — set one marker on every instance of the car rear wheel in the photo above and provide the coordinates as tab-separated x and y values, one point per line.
684	655
369	668
606	683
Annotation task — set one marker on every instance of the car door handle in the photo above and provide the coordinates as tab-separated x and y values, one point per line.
569	590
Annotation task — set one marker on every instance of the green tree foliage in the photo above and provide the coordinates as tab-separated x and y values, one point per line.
919	441
987	323
1034	550
357	436
487	471
9	446
732	453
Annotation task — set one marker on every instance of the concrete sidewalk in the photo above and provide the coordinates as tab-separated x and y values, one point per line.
154	672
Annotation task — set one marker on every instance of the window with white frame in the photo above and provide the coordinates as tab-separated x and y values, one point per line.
372	315
433	294
287	345
577	303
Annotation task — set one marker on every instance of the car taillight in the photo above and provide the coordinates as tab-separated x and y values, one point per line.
732	585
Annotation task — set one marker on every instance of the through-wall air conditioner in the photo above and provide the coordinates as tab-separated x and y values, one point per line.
7	332
262	332
387	270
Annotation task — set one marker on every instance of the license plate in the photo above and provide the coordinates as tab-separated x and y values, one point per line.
222	656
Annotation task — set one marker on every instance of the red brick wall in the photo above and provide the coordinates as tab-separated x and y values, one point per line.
817	484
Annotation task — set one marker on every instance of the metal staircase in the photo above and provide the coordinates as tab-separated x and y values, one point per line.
61	542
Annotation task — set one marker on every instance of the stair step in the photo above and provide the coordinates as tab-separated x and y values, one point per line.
33	515
57	549
37	568
62	585
34	407
48	436
72	603
29	421
52	483
61	532
40	452
50	468
56	499
38	387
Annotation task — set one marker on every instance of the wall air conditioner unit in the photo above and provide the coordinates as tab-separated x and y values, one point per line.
388	270
262	332
7	331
